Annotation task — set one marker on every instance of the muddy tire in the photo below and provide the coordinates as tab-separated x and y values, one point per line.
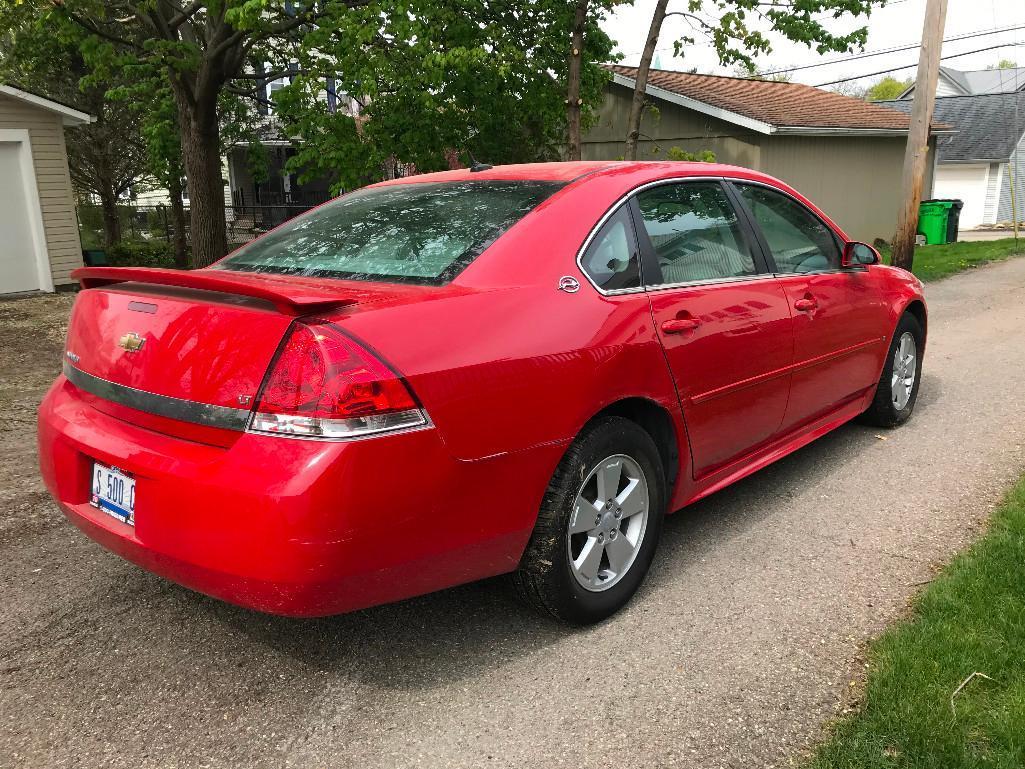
598	527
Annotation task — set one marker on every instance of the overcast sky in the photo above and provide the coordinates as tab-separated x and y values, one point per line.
898	24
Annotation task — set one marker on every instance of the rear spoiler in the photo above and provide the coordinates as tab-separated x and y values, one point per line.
291	296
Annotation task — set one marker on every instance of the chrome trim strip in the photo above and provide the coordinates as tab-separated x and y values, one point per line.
712	281
224	417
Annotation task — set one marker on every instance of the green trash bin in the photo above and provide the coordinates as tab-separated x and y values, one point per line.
932	220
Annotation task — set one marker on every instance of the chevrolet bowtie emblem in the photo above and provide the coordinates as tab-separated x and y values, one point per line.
131	342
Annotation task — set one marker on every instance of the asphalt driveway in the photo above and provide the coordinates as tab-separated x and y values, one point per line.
744	641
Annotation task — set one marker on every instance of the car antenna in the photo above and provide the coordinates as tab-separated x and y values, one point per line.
476	166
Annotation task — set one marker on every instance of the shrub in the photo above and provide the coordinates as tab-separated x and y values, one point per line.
137	253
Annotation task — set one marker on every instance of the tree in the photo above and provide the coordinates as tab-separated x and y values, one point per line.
431	75
1004	64
573	100
727	25
849	88
484	78
107	157
201	48
887	88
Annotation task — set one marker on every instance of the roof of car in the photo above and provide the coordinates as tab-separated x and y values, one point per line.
573	170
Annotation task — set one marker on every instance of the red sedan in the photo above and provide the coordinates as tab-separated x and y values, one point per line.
452	376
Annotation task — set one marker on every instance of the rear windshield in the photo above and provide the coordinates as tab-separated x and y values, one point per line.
407	233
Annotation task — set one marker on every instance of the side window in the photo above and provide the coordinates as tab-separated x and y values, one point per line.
611	258
695	233
799	242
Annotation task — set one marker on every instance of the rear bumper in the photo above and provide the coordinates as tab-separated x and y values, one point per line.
296	527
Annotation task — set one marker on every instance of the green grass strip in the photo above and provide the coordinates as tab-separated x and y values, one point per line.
935	262
970	619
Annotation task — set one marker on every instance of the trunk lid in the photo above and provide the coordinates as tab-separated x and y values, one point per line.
202	336
180	344
205	336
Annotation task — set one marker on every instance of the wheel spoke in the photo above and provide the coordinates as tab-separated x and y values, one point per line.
589	560
632	499
608	479
584	512
619	551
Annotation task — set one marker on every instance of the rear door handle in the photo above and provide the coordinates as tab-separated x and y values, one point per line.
806	305
679	325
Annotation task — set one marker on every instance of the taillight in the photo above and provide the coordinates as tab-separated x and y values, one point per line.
326	385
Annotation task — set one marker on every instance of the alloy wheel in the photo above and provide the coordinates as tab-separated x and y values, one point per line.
905	367
610	516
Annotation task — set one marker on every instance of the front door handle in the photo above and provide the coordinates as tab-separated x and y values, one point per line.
807	304
679	325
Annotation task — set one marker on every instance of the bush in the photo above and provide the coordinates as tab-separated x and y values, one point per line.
136	253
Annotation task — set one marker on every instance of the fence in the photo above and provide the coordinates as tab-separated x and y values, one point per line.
147	223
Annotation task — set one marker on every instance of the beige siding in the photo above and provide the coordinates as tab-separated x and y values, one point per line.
855	180
670	126
53	181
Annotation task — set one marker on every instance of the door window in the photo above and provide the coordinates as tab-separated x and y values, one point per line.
798	240
694	232
611	258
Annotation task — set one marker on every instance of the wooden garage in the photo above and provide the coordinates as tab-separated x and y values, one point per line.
843	153
39	244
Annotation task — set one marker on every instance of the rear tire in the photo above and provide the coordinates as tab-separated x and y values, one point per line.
592	544
897	390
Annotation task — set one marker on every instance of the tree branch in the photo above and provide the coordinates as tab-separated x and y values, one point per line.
89	26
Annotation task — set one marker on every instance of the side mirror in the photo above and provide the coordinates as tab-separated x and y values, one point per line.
857	254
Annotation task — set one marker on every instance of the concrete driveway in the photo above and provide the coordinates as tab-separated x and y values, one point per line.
744	641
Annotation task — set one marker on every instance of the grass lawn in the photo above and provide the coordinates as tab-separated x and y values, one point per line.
971	618
935	262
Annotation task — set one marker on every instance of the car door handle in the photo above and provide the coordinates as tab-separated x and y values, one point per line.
679	325
807	304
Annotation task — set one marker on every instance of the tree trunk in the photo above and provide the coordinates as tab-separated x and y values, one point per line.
201	151
174	188
573	100
633	127
111	216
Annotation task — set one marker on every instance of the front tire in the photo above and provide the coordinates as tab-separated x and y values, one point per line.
897	390
598	526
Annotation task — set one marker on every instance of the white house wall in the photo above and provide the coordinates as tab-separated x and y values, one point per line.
1013	169
967	182
996	174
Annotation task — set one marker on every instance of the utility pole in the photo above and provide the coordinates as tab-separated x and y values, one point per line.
918	132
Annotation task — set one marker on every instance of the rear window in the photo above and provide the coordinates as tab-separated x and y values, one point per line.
407	233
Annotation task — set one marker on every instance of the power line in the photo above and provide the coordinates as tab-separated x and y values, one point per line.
909	66
897	49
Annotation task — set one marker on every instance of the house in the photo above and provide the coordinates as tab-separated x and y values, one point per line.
979	163
844	153
953	82
40	244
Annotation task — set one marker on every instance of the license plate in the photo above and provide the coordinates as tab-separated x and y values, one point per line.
113	493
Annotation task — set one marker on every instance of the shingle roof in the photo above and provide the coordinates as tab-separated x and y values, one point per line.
775	103
979	81
989	125
995	80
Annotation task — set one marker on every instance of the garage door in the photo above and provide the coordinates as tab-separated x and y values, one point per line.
18	265
965	182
